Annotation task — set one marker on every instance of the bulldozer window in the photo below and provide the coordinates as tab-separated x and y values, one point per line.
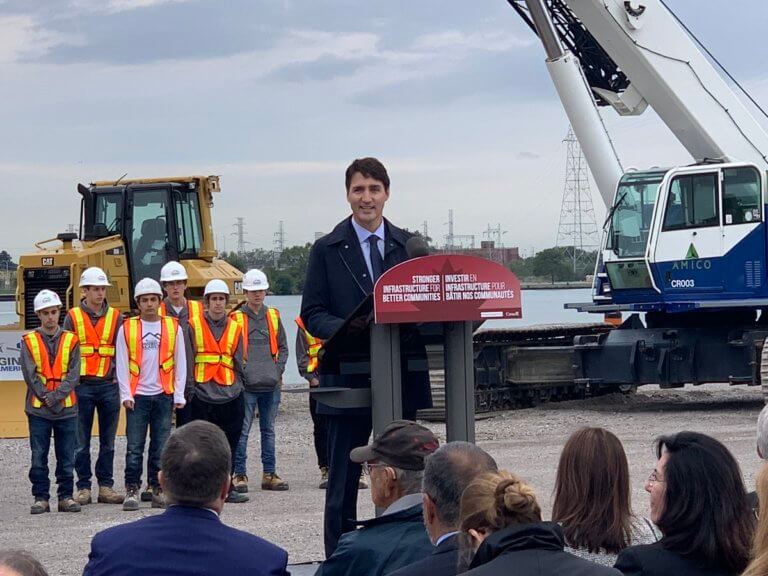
109	213
149	235
188	223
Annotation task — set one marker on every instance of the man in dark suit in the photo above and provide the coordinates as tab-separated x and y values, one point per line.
448	471
189	537
343	267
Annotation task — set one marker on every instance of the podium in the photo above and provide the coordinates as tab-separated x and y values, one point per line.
438	297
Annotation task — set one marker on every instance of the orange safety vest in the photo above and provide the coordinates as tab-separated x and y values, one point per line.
273	323
313	347
214	359
51	375
97	343
132	332
194	309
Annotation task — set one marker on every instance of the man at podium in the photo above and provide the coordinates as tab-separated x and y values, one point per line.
343	267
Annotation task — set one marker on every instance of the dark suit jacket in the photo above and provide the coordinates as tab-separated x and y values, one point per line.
442	561
182	541
655	560
337	282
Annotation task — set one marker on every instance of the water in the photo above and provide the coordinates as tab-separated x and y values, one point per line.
539	307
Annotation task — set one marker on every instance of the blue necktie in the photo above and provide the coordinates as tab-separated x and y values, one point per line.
377	262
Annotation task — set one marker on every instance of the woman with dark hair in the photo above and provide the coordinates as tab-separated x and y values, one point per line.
592	498
699	503
502	533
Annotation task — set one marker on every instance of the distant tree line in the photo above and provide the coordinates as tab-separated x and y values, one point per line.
555	265
285	271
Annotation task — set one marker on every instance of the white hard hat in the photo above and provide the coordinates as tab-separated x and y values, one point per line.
173	271
94	276
46	299
255	279
147	286
216	286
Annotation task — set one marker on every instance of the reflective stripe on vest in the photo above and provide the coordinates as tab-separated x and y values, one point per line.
313	347
273	323
214	359
51	375
194	309
97	343
132	332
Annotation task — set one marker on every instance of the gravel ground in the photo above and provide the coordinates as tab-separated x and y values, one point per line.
525	441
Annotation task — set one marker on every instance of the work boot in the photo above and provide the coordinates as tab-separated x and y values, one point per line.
107	495
146	496
362	483
158	498
271	481
131	500
68	504
40	507
323	477
84	496
235	497
240	483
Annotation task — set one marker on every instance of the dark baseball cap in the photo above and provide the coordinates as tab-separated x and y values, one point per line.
403	444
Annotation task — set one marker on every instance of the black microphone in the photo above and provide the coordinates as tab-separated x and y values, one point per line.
415	247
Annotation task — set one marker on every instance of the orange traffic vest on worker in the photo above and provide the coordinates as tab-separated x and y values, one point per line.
273	325
215	359
166	360
194	309
51	374
97	343
313	347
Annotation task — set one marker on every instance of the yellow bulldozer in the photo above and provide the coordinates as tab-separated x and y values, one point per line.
129	228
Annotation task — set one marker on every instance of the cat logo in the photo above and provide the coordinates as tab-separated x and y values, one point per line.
46	261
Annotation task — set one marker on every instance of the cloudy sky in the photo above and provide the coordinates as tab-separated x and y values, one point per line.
278	97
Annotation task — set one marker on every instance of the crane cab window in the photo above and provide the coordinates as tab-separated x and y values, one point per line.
741	195
109	214
149	234
188	223
692	202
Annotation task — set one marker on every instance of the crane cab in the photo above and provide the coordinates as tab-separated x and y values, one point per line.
684	238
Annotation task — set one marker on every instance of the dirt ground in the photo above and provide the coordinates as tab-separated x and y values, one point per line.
527	442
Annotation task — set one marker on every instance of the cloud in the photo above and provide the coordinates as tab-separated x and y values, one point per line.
525	155
491	40
117	6
23	38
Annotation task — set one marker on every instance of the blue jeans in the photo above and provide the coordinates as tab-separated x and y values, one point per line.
153	413
267	403
64	442
104	398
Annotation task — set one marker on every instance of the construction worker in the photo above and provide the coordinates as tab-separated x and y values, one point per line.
266	353
95	322
50	363
173	278
308	360
218	369
151	372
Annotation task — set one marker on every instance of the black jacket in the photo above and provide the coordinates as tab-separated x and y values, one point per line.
380	546
655	560
531	550
442	561
337	282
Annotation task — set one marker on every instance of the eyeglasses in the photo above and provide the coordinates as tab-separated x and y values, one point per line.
654	478
368	465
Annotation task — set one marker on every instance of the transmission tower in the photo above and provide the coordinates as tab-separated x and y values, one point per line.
455	241
279	242
577	230
425	231
495	234
239	233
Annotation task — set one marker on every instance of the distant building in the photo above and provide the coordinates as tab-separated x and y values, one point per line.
488	249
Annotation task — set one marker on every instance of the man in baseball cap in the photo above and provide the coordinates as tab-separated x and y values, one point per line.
395	462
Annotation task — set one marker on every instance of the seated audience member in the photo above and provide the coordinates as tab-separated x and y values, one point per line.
698	501
592	498
762	452
189	537
759	564
395	462
20	563
447	472
502	533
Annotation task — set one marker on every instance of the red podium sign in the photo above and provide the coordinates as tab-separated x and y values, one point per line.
446	288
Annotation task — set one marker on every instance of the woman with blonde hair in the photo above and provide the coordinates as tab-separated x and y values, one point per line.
759	564
592	498
502	533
